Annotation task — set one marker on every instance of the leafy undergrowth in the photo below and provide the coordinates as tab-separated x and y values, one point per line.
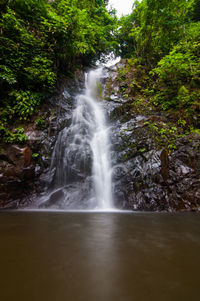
15	113
40	42
161	40
15	136
172	107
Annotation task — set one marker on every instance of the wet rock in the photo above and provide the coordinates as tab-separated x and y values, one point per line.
54	198
27	153
21	176
34	136
145	176
164	165
16	172
184	170
154	180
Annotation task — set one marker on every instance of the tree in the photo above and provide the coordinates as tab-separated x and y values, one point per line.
40	40
157	25
196	11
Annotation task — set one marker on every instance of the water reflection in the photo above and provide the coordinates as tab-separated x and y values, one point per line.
101	251
99	256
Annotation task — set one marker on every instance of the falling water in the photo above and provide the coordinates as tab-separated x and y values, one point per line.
80	167
99	144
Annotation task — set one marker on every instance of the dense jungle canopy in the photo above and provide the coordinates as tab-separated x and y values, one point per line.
41	40
162	38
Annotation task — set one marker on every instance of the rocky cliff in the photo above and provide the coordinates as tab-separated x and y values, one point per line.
155	168
148	173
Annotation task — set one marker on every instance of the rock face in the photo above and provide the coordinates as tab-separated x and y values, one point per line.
147	178
16	175
23	175
145	175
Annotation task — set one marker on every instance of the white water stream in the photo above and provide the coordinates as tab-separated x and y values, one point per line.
102	172
81	157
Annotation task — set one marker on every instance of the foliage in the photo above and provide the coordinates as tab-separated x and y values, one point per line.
179	76
35	156
20	105
40	122
195	12
17	136
161	38
155	26
126	42
166	134
41	39
25	103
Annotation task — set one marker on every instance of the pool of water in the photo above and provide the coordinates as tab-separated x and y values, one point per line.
99	256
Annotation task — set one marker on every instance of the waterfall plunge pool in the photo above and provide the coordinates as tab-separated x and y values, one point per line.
98	256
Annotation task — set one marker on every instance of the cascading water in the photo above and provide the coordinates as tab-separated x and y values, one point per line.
100	145
80	167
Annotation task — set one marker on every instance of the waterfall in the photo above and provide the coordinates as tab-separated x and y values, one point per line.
80	166
99	144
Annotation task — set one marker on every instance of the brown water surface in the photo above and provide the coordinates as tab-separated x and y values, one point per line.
61	256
